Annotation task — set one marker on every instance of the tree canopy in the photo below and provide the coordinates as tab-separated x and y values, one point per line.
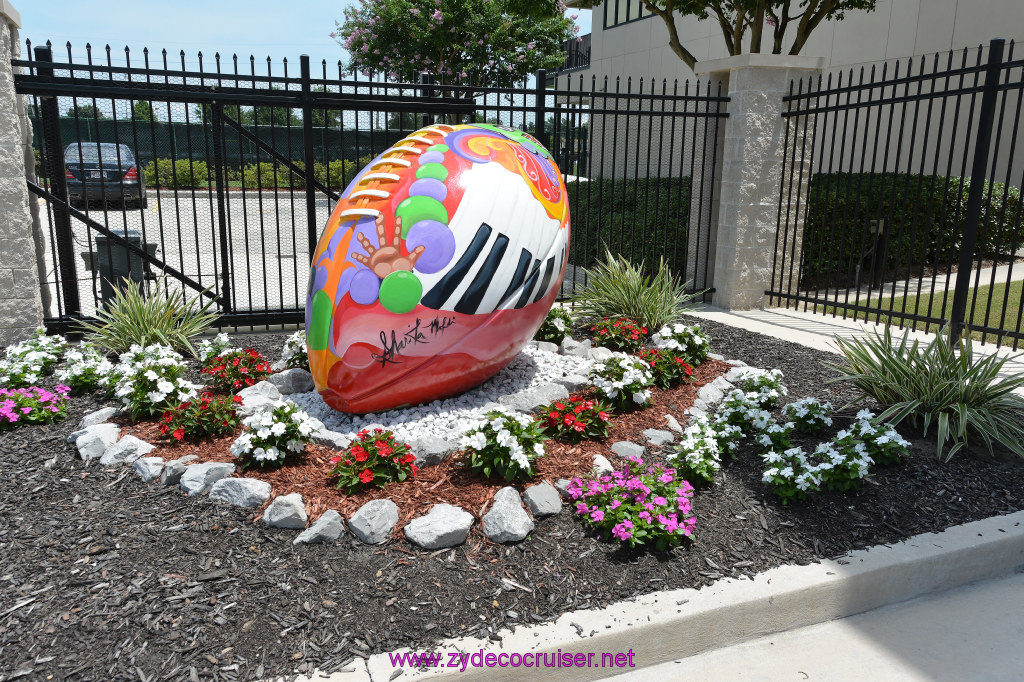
143	111
483	42
85	112
767	21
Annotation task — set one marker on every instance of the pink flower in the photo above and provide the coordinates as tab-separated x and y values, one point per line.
436	16
659	500
597	515
582	507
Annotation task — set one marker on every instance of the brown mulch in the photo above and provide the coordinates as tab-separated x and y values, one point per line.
448	482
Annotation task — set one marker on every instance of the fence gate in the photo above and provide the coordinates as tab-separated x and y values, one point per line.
221	176
900	195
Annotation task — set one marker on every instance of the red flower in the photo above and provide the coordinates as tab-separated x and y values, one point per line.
603	416
568	420
384	451
578	426
335	459
249	381
409	458
179	433
163	428
234	363
553	415
361	456
236	383
366	476
236	399
414	468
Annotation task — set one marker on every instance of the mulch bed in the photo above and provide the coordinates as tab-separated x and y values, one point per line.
447	482
106	578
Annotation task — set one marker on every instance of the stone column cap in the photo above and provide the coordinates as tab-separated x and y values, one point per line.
13	16
759	60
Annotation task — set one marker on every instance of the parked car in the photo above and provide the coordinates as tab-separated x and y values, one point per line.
104	171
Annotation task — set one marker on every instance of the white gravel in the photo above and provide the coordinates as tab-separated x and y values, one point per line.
451	418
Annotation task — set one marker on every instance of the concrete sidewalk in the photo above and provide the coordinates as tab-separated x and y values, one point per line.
974	632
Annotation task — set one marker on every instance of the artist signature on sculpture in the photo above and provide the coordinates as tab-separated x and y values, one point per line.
418	333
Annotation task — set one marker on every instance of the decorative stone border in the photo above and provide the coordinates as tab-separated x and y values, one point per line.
373	523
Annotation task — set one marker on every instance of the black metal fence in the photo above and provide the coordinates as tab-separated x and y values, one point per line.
231	211
900	194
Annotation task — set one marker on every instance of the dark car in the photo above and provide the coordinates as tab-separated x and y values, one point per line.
104	171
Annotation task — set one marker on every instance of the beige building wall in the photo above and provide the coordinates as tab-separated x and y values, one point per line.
896	29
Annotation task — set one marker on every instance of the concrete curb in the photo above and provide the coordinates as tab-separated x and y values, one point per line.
666	626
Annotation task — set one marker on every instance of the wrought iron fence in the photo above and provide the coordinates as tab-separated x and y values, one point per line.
900	194
238	164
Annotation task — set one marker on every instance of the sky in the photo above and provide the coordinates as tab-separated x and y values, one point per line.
279	29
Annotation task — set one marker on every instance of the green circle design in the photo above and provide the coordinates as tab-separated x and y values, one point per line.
320	321
438	148
414	209
400	291
432	170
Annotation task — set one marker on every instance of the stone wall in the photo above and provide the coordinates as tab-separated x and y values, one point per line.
750	194
20	302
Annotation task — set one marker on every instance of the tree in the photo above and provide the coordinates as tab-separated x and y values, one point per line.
325	118
248	116
478	42
737	17
143	111
86	112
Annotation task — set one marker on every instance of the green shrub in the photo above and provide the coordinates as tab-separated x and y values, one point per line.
162	317
176	174
937	383
641	219
923	217
617	288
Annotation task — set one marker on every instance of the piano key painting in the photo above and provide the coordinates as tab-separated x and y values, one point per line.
438	264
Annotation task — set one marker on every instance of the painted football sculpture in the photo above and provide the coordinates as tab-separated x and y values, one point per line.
438	264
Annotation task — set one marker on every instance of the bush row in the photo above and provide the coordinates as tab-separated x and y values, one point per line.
641	219
923	214
184	173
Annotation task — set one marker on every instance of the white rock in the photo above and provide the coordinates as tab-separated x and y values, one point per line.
579	349
328	527
543	500
716	356
254	404
443	526
286	511
172	473
530	399
126	451
148	468
602	466
373	522
431	450
710	394
722	384
98	417
673	423
657	437
199	478
573	382
291	381
332	439
507	521
600	353
624	448
546	346
96	439
241	492
562	486
263	389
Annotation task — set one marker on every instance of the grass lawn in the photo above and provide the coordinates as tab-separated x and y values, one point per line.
1003	298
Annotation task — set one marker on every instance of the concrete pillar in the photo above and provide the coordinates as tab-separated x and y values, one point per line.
20	301
751	152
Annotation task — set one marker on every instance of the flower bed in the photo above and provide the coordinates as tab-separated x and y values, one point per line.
121	555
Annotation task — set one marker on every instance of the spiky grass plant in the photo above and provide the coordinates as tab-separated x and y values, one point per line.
166	317
617	288
937	383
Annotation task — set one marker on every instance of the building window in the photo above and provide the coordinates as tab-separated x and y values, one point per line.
618	12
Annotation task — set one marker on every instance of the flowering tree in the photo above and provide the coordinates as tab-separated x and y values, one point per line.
479	42
736	17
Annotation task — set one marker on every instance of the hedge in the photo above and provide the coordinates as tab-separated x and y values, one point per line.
176	174
642	219
923	216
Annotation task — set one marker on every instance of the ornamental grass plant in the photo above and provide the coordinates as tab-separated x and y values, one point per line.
618	288
164	316
939	384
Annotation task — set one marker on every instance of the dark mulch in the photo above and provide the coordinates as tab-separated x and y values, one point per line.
105	578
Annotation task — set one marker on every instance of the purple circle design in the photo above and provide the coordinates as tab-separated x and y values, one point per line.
438	241
365	286
432	157
429	187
